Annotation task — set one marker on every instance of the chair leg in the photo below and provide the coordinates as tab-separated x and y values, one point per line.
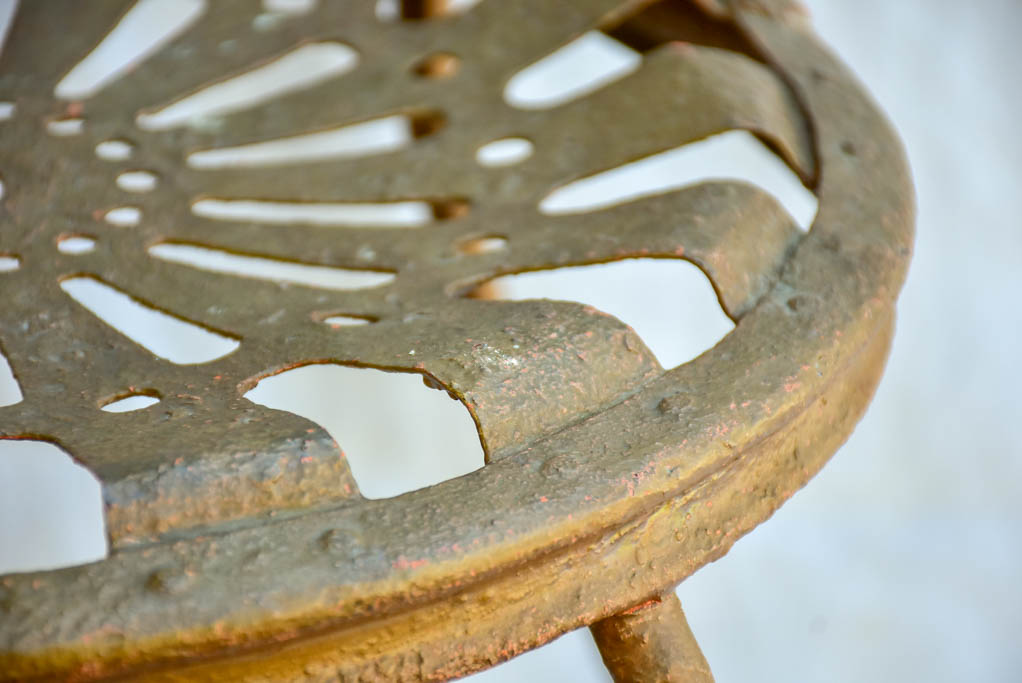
651	642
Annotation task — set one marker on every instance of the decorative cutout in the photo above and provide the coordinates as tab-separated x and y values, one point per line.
10	390
676	327
383	215
135	400
65	127
263	268
379	136
459	6
114	150
542	374
9	263
337	321
7	10
732	155
76	244
383	421
163	335
51	507
299	69
124	216
388	10
659	23
6	110
143	30
290	6
137	181
504	152
584	65
268	21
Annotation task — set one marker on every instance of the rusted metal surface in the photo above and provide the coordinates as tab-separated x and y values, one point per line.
608	478
652	642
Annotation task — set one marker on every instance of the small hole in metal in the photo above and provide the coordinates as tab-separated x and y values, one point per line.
76	244
137	181
114	150
388	10
290	6
504	152
130	402
124	216
65	127
338	321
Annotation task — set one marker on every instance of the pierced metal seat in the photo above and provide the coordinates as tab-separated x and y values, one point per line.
241	548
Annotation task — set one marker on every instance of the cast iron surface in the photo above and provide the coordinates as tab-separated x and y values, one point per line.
240	546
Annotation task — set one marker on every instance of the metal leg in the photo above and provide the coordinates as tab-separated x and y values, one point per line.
651	642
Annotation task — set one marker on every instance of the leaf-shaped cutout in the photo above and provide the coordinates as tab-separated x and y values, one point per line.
265	268
396	434
163	335
143	30
51	507
409	214
10	390
732	155
587	63
377	136
301	68
670	303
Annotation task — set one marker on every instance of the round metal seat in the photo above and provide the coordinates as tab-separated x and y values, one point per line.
241	548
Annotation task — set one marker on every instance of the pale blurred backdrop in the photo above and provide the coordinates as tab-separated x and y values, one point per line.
900	561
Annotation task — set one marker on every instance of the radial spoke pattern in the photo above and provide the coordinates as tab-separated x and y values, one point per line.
290	186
